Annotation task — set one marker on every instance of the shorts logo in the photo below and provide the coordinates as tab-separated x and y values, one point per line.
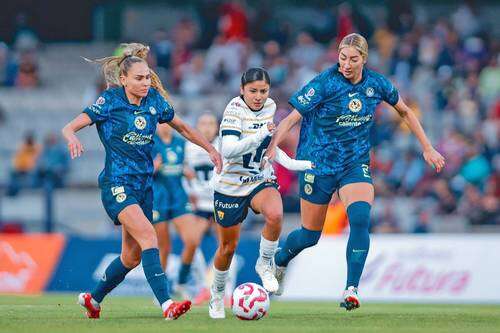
117	190
308	189
309	178
121	197
140	122
370	92
355	105
152	110
220	214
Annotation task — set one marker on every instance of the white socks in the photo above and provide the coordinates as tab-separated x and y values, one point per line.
267	250
220	278
166	304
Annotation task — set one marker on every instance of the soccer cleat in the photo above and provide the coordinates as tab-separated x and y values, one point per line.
266	274
351	299
279	273
93	308
216	305
176	309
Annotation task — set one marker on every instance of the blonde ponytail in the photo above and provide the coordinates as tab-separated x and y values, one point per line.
112	67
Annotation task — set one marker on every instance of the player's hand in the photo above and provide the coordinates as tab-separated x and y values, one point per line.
271	127
268	157
267	170
75	147
434	159
216	160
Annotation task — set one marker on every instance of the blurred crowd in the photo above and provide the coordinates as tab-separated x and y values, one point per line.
446	69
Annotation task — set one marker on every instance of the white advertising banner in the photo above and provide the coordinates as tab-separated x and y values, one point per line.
413	268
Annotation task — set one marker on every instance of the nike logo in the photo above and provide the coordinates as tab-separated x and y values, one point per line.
352	94
160	274
104	277
138	112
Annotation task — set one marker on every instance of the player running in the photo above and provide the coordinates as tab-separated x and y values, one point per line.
245	133
171	203
126	117
336	109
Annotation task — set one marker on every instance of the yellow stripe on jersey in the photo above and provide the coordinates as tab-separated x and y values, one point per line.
249	132
240	185
258	119
230	127
236	173
234	163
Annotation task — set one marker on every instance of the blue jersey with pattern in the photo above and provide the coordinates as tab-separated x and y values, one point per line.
172	155
337	117
127	131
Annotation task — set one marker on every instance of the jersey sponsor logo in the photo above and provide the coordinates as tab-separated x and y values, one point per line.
350	120
370	92
237	104
220	204
95	109
121	197
355	105
366	170
308	189
140	122
309	178
229	121
256	126
306	98
133	138
152	110
117	190
310	93
352	94
220	214
251	179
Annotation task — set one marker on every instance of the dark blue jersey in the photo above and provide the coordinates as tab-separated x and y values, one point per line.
337	117
127	131
172	155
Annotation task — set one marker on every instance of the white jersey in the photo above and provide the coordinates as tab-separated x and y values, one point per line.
241	174
199	161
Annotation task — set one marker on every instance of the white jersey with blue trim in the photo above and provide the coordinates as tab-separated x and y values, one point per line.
201	187
241	174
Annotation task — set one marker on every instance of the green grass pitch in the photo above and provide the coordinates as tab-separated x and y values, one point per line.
59	313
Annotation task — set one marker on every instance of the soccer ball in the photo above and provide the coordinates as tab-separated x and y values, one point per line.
250	301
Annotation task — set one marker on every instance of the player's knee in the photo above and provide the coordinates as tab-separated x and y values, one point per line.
131	259
308	237
274	217
148	239
227	248
359	214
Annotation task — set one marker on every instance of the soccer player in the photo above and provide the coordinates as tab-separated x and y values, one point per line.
126	116
171	203
245	133
336	109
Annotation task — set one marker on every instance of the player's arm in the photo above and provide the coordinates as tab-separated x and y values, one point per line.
290	163
232	146
282	130
195	137
157	161
75	147
431	155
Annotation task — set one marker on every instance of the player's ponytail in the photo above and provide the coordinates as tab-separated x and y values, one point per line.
357	41
114	66
255	74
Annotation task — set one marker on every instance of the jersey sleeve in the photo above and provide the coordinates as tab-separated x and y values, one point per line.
389	93
310	96
166	110
231	121
99	111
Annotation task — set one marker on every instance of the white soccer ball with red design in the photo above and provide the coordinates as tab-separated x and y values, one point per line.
250	301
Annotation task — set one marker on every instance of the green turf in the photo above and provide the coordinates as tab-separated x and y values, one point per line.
59	313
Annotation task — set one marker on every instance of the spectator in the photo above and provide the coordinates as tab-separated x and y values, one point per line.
23	163
53	164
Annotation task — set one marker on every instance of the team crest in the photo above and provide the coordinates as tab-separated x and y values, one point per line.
140	122
152	110
220	214
171	156
308	189
121	197
370	92
355	105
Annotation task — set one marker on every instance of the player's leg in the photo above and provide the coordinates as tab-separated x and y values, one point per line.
140	228
268	202
191	231
358	199
164	243
228	240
